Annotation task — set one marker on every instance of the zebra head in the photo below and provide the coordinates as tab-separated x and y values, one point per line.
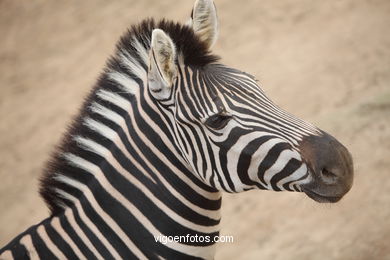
233	137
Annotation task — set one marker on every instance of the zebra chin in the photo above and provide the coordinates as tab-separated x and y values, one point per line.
322	198
330	167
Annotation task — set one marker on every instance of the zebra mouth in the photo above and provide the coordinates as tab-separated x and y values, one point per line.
321	198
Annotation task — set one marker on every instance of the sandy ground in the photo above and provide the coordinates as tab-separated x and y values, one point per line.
325	61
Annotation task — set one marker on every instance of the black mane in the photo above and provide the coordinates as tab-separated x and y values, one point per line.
190	49
188	44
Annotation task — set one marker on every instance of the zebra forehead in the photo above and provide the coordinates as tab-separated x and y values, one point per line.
190	48
229	81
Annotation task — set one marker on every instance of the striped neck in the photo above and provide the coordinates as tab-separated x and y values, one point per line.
120	164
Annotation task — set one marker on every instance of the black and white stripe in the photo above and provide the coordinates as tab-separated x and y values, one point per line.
133	167
257	146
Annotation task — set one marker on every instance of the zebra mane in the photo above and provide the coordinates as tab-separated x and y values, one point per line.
134	47
188	45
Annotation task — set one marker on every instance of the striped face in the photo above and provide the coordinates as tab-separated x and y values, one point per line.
233	136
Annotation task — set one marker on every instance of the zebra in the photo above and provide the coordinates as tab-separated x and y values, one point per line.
164	132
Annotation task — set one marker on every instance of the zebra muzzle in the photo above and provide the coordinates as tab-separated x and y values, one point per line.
331	168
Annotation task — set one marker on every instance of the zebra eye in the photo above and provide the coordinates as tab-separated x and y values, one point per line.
218	121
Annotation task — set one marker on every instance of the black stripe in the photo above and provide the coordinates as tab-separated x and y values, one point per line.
171	177
246	158
19	252
107	232
90	235
271	158
42	250
75	238
295	186
137	232
288	169
62	245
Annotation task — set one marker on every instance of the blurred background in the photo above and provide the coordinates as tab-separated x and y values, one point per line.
325	61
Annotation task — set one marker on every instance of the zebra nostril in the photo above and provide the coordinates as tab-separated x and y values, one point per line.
328	176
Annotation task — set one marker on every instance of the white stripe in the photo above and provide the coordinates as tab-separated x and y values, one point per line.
214	214
168	143
284	157
84	218
106	217
100	128
6	255
114	99
113	136
99	176
132	64
49	243
301	182
107	113
142	52
92	146
26	241
298	173
259	156
56	225
126	83
90	167
72	221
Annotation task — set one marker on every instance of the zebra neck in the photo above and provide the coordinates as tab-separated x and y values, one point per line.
125	180
120	167
83	232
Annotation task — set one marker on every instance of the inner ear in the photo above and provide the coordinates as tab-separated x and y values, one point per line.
204	21
162	68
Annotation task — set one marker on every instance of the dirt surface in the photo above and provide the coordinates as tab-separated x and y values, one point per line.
325	61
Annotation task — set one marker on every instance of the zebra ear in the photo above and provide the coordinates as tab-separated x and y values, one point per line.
162	68
204	21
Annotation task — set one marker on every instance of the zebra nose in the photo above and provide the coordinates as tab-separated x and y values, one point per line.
334	162
330	163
